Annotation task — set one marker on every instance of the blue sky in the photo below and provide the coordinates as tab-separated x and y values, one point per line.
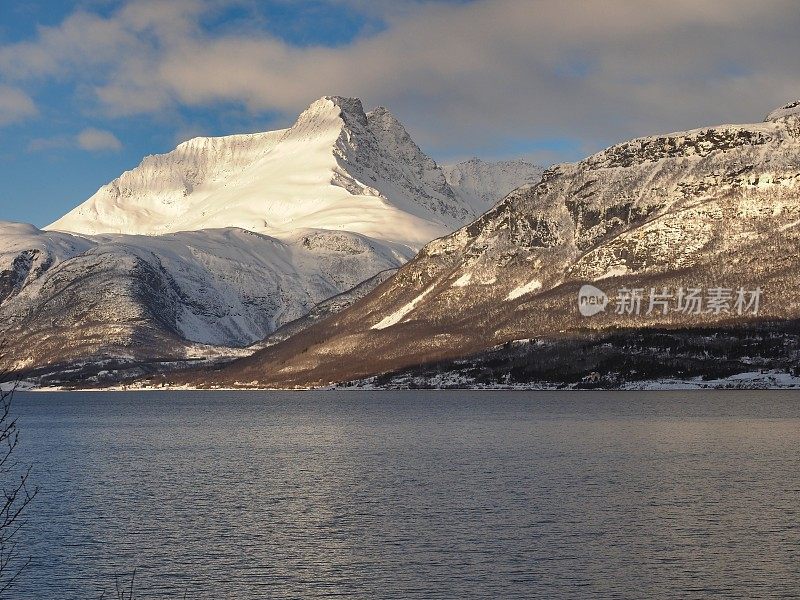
88	88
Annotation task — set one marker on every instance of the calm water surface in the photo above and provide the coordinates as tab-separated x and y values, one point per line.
413	494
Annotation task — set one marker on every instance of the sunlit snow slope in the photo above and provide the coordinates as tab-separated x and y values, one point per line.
336	168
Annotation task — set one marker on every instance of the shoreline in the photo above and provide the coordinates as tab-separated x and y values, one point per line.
753	380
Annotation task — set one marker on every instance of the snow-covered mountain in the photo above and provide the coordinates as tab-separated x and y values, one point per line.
336	168
67	299
715	209
482	184
222	241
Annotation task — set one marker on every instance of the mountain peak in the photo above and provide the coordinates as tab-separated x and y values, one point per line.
335	169
787	110
346	104
349	110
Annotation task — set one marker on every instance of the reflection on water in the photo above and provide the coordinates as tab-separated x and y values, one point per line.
414	494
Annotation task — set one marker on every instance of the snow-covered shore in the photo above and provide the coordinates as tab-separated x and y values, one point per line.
754	380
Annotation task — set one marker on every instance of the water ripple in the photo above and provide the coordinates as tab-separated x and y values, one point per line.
414	495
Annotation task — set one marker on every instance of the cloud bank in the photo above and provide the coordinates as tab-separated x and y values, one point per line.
89	139
486	74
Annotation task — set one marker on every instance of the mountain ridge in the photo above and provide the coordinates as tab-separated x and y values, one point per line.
666	211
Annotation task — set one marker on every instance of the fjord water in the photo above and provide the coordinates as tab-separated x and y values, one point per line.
413	494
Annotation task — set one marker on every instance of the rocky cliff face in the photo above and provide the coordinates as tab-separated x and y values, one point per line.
711	209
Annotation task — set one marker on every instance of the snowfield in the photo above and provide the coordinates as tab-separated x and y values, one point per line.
336	168
526	288
402	312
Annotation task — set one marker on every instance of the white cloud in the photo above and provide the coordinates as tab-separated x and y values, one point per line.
96	140
15	105
89	139
459	74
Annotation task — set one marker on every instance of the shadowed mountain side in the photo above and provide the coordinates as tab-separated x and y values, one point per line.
324	309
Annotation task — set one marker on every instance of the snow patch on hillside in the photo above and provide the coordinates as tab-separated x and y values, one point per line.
531	286
463	281
401	313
